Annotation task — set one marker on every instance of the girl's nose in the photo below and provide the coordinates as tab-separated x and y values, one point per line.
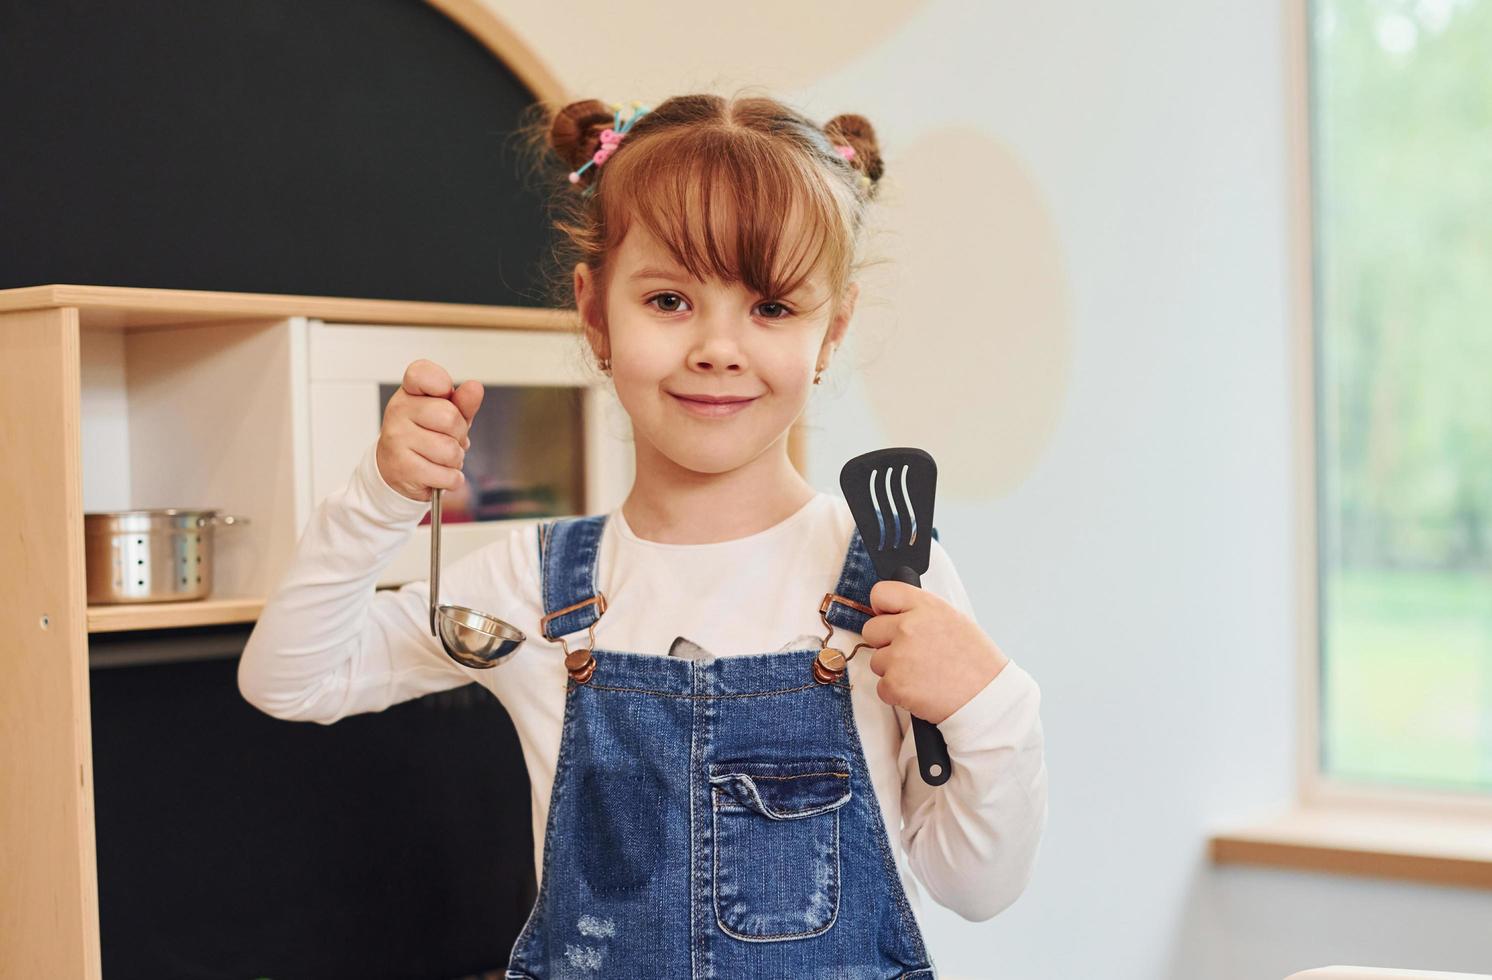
714	362
718	350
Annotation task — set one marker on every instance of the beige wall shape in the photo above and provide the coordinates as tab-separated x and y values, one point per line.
966	348
651	51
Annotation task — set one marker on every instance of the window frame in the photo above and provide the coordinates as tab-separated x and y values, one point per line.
1314	788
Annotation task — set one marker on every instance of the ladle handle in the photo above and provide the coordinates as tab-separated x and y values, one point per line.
434	557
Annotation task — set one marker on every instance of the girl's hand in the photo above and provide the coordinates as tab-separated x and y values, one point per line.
931	657
424	440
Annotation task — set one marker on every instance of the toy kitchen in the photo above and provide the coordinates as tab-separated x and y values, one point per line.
199	331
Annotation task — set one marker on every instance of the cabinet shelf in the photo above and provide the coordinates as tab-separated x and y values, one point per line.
169	615
129	308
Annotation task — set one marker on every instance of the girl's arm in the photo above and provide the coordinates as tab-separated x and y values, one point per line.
973	841
328	645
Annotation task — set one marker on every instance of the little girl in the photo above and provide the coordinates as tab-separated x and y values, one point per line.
704	804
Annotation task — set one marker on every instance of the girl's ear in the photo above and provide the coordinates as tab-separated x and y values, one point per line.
585	301
840	324
584	283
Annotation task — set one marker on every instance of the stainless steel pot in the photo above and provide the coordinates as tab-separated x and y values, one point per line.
160	555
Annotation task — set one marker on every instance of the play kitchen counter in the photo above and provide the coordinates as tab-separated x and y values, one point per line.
117	398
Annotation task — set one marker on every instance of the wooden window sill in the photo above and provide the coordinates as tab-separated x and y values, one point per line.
1442	849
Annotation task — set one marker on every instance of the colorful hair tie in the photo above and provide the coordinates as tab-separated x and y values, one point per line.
611	138
848	152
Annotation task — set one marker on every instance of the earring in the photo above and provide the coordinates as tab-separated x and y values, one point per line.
605	365
818	375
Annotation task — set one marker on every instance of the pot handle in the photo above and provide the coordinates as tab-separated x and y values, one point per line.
226	520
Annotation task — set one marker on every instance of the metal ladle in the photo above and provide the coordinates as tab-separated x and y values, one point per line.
473	639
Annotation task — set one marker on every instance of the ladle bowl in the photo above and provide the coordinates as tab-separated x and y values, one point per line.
471	638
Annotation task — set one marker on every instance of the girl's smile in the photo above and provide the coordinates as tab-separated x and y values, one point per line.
713	409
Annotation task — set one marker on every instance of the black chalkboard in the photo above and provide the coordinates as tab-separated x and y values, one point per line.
311	147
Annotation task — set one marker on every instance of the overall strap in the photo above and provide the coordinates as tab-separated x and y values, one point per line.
569	550
848	606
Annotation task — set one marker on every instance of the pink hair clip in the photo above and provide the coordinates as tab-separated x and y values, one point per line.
611	138
848	152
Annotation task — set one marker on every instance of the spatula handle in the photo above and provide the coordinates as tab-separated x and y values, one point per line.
932	751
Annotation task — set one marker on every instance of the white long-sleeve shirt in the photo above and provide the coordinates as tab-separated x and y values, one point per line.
327	645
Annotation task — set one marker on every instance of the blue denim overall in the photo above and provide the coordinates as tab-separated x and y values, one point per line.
710	817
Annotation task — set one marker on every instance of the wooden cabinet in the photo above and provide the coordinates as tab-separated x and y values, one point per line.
49	913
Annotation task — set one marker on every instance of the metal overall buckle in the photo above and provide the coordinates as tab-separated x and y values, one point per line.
831	663
580	663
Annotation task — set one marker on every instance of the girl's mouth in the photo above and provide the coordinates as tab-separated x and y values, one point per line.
711	409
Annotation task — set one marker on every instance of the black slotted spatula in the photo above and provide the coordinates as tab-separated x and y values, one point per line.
890	493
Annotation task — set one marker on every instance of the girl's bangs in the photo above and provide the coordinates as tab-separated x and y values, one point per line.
731	209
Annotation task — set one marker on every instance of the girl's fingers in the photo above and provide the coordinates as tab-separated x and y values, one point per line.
880	630
424	377
891	596
439	415
437	447
432	475
468	398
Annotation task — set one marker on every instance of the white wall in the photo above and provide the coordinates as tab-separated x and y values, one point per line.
1087	317
104	422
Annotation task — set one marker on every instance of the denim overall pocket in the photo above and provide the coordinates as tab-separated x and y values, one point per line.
776	833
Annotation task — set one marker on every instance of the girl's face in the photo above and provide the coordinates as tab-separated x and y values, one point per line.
671	336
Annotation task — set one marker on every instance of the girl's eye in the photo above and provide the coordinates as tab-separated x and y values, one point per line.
674	303
666	297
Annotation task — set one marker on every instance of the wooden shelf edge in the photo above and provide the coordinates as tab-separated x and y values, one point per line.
125	307
1423	868
1428	848
1379	973
174	615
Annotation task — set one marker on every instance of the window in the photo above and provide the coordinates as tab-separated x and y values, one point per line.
1402	170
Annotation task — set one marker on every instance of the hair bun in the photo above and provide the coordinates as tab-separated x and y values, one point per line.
575	132
855	130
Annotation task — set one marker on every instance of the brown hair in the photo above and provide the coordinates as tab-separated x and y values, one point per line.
715	180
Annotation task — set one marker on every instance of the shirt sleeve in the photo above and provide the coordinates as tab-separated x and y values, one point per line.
972	842
328	644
